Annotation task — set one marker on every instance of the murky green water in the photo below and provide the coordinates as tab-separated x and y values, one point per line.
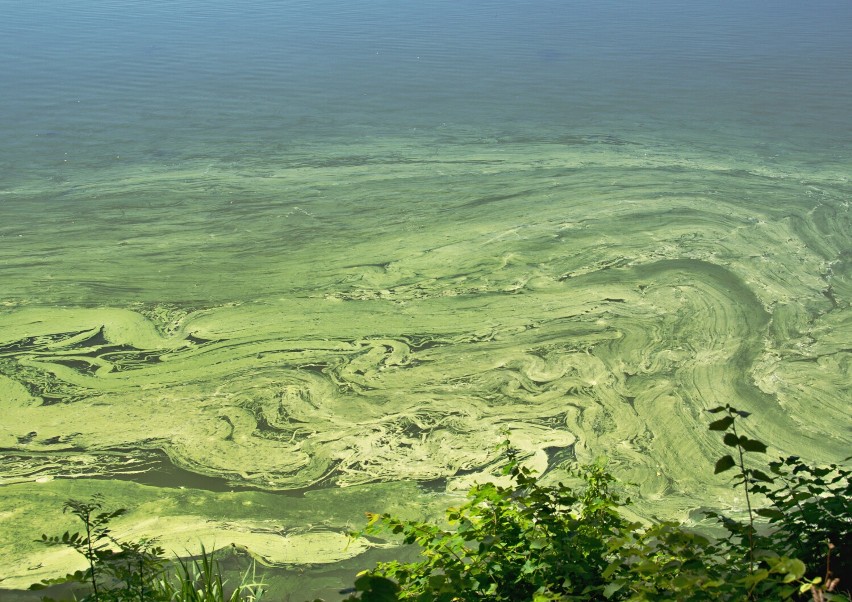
265	270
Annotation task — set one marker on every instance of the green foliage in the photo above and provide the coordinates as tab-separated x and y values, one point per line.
535	542
668	562
135	571
525	542
118	571
200	580
809	517
746	476
810	512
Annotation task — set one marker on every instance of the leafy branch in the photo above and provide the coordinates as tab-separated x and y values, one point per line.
747	476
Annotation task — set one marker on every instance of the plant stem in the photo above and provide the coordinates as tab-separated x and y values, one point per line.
141	581
748	504
91	554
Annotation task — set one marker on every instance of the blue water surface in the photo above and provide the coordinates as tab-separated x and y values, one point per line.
145	79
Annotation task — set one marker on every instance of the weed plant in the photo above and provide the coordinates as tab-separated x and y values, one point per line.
120	571
200	580
529	541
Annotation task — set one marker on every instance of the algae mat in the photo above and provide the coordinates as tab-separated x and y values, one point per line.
352	325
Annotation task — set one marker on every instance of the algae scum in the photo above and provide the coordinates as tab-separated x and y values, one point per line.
267	266
285	328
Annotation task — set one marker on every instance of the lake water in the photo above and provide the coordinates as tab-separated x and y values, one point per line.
265	266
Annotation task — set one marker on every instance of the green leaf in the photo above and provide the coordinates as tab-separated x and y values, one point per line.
724	463
770	513
611	588
752	445
722	424
756	577
793	569
376	588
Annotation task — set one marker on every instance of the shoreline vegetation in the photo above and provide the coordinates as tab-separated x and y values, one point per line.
530	541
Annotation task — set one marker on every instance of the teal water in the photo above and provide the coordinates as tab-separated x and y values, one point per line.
156	82
326	252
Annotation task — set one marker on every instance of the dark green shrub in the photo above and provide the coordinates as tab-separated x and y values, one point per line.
535	542
523	542
121	571
118	571
811	517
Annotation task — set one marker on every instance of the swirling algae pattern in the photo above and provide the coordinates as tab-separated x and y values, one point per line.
344	322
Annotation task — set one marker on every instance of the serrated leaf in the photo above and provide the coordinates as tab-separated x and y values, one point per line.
752	445
724	463
722	424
